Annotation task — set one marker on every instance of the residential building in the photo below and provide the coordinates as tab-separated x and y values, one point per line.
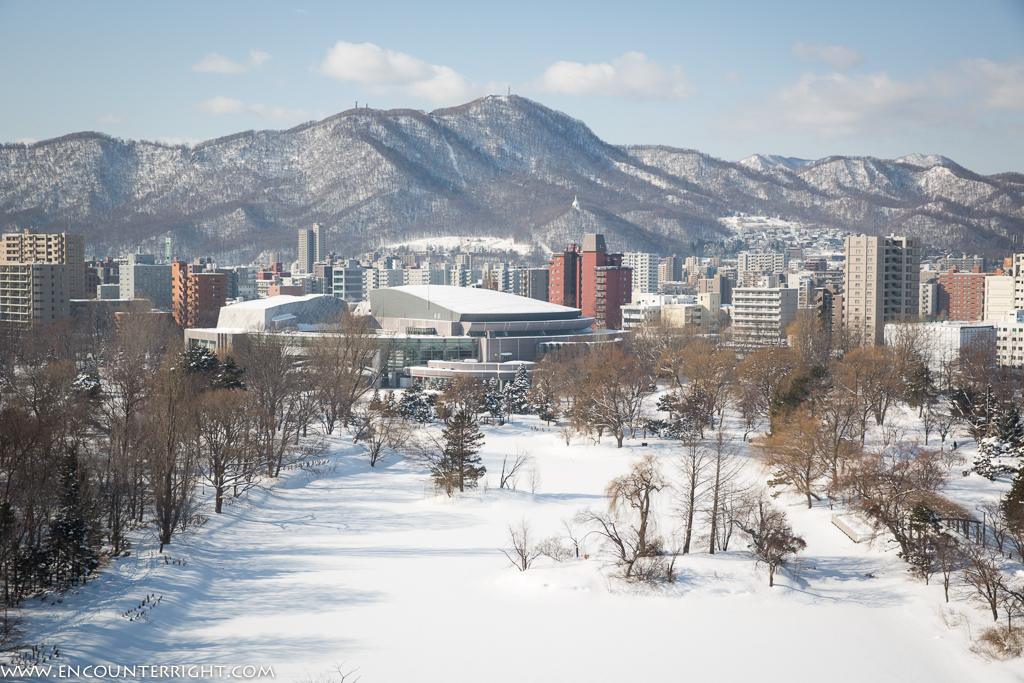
767	262
961	296
312	247
143	278
349	281
719	284
34	293
670	269
881	284
1010	339
964	264
564	278
760	315
605	284
198	294
998	297
533	283
63	248
422	276
645	271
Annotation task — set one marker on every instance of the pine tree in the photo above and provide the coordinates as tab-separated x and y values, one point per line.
198	359
1009	426
72	533
495	400
517	393
416	404
228	375
1013	503
462	442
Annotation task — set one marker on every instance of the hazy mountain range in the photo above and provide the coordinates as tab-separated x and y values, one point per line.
501	166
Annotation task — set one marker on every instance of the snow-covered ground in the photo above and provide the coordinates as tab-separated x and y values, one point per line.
466	244
366	568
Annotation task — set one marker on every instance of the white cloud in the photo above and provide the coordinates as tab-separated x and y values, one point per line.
732	77
838	57
109	120
383	71
215	63
258	57
839	105
225	106
630	76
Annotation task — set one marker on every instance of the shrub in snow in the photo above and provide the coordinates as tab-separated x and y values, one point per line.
992	454
88	382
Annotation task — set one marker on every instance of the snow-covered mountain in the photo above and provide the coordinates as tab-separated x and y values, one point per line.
503	167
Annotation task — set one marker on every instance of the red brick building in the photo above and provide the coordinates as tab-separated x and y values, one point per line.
197	295
591	280
564	278
961	296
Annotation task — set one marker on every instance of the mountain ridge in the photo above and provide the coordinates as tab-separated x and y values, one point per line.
502	166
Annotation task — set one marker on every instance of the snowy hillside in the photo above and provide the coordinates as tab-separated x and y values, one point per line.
501	167
367	569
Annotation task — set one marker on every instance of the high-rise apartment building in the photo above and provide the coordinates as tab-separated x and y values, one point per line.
881	284
198	294
533	283
592	280
670	269
564	278
33	293
961	296
760	315
645	271
312	247
62	248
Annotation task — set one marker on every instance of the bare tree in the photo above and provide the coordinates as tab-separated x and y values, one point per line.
982	572
692	467
888	484
380	429
794	454
346	362
523	550
772	540
723	469
510	473
226	426
628	526
171	447
280	387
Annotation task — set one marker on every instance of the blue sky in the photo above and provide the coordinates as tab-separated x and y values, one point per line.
805	79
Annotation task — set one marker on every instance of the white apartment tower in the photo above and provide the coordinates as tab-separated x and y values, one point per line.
645	271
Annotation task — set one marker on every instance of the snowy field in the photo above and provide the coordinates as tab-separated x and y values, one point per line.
367	569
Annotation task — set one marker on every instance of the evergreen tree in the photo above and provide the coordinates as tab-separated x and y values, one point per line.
1008	424
495	400
517	393
416	404
462	442
198	359
1013	503
228	375
72	533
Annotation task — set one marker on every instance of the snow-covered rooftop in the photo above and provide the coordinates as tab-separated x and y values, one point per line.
462	303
